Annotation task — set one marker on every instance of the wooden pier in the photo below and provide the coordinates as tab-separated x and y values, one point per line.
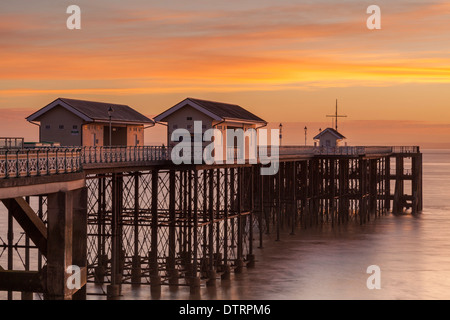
130	216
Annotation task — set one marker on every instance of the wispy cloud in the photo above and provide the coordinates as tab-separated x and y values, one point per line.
142	48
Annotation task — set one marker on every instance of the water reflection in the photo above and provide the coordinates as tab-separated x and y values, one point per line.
331	263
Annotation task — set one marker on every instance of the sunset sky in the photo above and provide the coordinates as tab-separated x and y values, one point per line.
286	61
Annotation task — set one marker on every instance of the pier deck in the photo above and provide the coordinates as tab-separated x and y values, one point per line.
130	216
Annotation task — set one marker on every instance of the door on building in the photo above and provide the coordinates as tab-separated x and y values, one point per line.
94	139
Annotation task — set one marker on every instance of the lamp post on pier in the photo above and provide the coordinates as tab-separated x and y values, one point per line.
306	130
281	132
110	111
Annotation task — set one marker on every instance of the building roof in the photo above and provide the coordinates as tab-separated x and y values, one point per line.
91	111
330	130
217	110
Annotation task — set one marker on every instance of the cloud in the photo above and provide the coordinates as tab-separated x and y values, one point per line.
283	44
246	49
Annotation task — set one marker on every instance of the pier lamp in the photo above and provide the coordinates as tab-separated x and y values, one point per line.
281	134
306	130
110	111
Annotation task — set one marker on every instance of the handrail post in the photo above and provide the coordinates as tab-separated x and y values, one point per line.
71	160
48	167
28	163
80	165
38	171
56	161
17	164
83	155
6	164
65	160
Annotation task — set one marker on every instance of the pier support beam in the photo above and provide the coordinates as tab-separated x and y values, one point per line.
66	244
114	289
398	204
29	221
155	279
136	259
417	200
387	183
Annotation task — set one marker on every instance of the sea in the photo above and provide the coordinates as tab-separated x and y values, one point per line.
393	257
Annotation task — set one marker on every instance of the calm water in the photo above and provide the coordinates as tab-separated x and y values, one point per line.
413	254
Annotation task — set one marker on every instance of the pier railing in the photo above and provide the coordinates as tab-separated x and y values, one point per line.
405	149
338	151
124	154
15	163
28	162
11	142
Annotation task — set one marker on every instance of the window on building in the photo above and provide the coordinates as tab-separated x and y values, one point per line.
47	126
189	118
74	126
61	126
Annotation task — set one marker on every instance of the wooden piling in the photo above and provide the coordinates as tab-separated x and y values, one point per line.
63	250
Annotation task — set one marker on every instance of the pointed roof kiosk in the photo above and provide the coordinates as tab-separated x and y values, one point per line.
73	122
329	138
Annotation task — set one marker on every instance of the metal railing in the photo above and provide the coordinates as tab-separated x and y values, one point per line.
294	150
15	163
20	162
11	142
343	150
406	149
124	154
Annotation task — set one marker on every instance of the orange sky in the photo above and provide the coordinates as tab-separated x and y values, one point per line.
285	60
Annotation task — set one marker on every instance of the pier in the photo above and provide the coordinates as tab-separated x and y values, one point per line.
129	216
